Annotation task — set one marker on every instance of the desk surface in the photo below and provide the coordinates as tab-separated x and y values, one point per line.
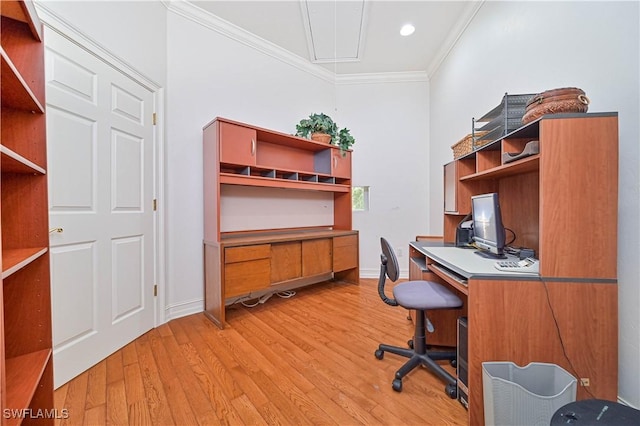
466	262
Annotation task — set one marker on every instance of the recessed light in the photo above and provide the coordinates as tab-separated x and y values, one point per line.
407	30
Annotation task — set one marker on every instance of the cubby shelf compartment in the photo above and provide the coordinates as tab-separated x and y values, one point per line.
291	183
16	93
16	259
15	163
529	164
23	12
23	376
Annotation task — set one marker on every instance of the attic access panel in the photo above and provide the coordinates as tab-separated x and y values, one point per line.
335	30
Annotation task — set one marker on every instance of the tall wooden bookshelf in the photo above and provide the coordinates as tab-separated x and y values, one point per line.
26	386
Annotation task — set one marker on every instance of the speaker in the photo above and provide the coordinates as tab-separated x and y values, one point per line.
462	368
464	237
464	232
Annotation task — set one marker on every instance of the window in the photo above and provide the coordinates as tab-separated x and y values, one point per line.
360	198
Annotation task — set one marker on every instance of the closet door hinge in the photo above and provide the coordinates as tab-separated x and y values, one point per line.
155	204
155	289
155	118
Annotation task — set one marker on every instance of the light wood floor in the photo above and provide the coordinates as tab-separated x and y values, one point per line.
304	360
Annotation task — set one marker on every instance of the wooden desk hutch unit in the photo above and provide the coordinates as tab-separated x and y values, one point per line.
562	202
26	361
248	263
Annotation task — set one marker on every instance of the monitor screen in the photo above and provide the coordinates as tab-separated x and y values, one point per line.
488	230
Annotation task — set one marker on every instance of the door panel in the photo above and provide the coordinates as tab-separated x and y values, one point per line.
101	166
74	265
237	145
316	257
286	261
341	164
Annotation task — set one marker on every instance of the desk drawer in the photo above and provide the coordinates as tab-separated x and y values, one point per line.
244	277
244	253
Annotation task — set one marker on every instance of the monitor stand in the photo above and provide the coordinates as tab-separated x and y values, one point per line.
489	255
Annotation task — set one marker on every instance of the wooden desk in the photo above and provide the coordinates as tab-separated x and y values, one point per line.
247	266
526	318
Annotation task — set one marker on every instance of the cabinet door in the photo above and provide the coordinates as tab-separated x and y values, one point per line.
286	261
237	144
457	196
450	181
341	165
316	257
246	269
345	252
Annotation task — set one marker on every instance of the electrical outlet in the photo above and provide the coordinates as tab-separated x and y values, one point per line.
399	251
584	381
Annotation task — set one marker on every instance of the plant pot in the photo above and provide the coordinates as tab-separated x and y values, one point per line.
321	137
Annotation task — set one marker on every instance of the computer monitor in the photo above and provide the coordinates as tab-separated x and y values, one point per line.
488	230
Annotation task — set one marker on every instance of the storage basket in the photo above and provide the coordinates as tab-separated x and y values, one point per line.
467	144
564	100
463	147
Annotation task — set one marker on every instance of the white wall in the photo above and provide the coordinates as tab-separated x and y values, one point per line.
529	47
211	74
135	31
390	124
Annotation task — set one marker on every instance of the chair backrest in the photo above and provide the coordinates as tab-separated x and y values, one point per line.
388	268
389	259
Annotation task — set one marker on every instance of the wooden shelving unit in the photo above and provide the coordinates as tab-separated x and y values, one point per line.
26	341
563	203
256	260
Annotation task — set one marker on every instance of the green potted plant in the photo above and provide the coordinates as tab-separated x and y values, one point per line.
322	128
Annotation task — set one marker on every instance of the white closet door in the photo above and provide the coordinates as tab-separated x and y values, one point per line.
101	167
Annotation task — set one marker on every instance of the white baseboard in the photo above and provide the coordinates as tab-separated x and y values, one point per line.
623	402
375	273
183	309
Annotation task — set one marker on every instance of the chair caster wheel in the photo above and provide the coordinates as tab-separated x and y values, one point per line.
410	343
379	354
454	363
452	391
397	385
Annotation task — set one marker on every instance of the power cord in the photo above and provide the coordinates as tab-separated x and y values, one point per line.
564	351
262	299
513	234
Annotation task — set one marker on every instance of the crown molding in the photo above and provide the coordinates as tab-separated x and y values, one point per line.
66	29
202	17
383	77
190	11
454	35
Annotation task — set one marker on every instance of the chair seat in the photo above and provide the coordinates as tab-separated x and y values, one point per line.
425	295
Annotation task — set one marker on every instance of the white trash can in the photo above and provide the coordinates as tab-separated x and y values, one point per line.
528	395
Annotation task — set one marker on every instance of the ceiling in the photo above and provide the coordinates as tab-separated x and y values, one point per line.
364	35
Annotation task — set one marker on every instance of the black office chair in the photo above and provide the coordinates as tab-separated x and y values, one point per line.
422	296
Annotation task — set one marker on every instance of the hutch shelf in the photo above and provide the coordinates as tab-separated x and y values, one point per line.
257	260
569	314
